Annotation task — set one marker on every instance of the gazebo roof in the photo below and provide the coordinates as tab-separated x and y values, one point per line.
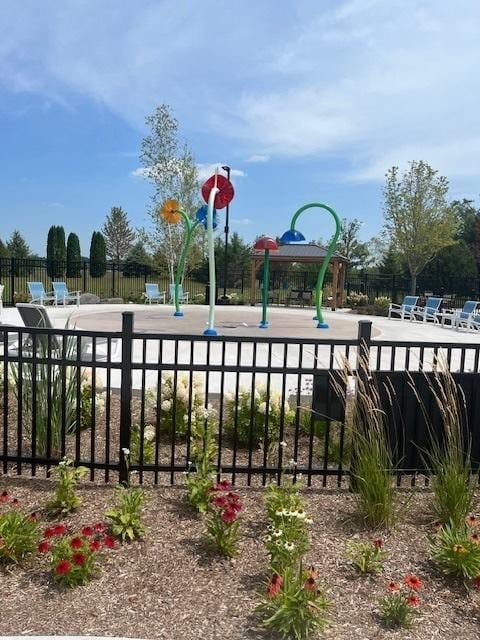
300	253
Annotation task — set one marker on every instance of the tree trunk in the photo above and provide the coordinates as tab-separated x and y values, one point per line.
413	284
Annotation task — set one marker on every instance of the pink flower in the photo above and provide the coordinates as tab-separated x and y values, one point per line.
393	587
223	485
220	502
274	586
98	527
4	497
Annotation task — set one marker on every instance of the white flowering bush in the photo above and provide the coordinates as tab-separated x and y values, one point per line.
180	404
146	453
246	418
86	398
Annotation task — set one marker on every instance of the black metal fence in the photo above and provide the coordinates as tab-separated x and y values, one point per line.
127	281
272	402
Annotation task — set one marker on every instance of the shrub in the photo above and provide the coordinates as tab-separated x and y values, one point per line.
295	604
222	524
246	417
86	398
126	513
366	557
201	471
398	608
381	305
19	534
142	451
65	499
182	408
355	299
456	550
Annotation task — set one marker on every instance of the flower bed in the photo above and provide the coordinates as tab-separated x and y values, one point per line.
171	584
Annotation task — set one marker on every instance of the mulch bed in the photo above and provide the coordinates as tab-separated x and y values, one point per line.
170	586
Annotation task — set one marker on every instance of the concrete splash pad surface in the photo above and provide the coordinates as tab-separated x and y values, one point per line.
229	321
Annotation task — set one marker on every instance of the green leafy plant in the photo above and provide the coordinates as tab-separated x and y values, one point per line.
366	557
246	417
456	550
65	499
126	514
19	534
295	605
222	524
448	454
201	472
399	607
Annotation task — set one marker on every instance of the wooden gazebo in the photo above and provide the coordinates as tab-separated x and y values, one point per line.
309	254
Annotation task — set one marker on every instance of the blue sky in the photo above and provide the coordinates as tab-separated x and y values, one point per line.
307	100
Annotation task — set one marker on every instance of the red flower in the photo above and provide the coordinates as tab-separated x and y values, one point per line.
229	515
4	496
476	582
63	567
87	532
236	506
99	528
79	559
76	543
220	502
109	542
378	543
43	547
274	586
413	601
59	530
393	587
310	584
471	521
413	582
49	532
233	497
95	545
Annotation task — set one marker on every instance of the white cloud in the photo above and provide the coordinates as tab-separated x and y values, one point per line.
368	82
258	158
241	221
140	172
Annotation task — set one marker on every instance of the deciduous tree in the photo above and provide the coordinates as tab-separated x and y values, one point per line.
418	218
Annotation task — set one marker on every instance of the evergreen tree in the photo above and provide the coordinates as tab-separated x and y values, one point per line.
56	253
119	235
138	261
98	255
3	250
74	259
17	246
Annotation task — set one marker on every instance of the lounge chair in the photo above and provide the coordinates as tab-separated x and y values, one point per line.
182	297
39	295
153	293
63	295
35	315
405	309
431	311
460	317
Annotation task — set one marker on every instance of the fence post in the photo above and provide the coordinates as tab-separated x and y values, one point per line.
125	392
364	342
12	281
113	280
